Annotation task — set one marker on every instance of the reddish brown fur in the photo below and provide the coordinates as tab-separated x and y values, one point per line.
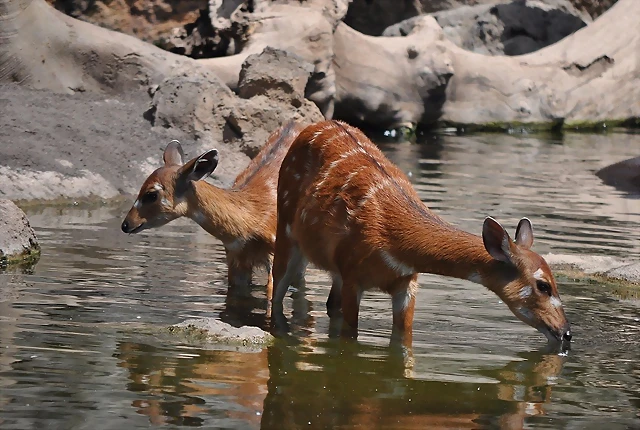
343	206
242	217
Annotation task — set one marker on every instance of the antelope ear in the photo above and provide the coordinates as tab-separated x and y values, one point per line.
496	240
200	167
173	154
524	233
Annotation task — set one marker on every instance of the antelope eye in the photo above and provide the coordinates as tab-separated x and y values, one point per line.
150	197
544	287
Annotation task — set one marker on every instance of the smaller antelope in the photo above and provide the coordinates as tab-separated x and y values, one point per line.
242	217
343	206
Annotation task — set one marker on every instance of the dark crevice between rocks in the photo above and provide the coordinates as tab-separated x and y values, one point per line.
594	68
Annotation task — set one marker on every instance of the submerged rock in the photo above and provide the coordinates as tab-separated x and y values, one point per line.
623	175
18	242
219	332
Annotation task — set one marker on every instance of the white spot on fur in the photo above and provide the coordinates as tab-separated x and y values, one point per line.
157	187
526	292
296	176
538	275
351	152
555	302
164	202
303	214
314	220
316	135
372	192
285	194
287	229
293	159
398	266
327	173
137	204
350	176
273	237
475	278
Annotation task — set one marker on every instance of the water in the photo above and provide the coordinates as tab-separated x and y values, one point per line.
77	349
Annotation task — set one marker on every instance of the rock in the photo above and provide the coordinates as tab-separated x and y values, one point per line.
194	102
215	331
588	264
599	268
80	146
208	36
304	31
514	28
594	8
373	17
391	82
271	92
584	80
66	55
18	242
628	273
623	175
274	73
148	20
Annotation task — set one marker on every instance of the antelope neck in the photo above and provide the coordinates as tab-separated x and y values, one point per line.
224	213
430	245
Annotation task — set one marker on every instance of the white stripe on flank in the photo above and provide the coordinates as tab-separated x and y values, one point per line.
398	266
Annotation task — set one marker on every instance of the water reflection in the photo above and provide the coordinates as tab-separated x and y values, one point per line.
181	389
331	384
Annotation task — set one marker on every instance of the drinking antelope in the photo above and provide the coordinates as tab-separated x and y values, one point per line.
343	206
242	217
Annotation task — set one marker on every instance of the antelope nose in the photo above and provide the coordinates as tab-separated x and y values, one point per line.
567	335
125	226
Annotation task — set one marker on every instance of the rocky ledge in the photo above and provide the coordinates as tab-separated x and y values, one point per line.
421	77
598	268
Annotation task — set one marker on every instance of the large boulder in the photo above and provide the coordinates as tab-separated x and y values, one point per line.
514	28
372	17
587	79
271	91
391	82
18	242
